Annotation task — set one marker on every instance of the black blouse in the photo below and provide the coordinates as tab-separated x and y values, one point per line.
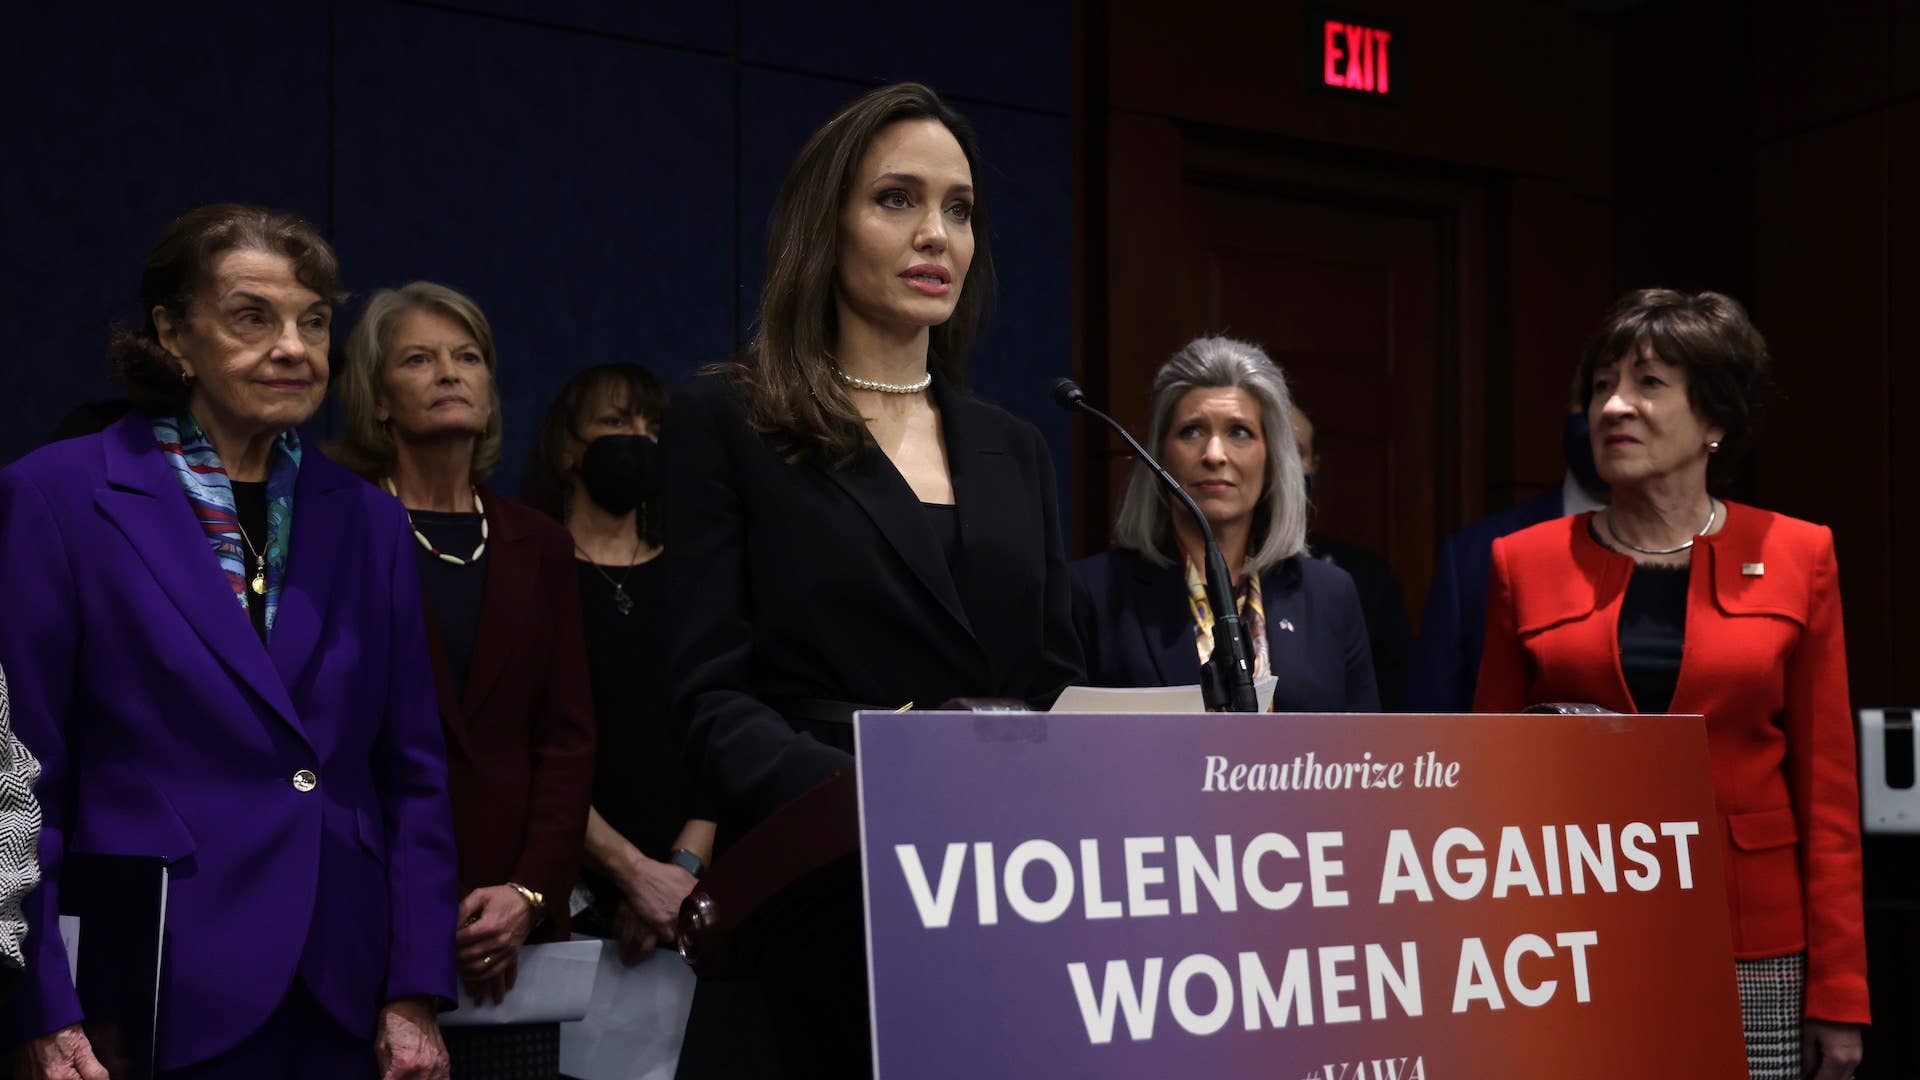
250	506
454	593
636	777
1653	633
944	518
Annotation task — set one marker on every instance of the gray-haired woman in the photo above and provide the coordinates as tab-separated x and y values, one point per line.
1220	423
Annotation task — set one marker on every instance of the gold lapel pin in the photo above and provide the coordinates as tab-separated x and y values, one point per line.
1753	569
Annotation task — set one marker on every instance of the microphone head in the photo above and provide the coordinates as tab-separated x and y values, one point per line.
1067	393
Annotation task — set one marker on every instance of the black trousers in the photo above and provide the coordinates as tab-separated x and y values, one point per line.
800	1008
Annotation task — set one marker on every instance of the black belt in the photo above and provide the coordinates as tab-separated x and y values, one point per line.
828	721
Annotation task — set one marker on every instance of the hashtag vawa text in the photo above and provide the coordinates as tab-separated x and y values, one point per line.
1045	880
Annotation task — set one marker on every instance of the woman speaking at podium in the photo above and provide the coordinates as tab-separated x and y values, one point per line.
1673	601
850	530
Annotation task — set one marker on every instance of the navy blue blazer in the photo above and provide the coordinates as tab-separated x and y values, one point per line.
1453	630
1136	629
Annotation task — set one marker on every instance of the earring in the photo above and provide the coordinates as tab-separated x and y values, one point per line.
1713	447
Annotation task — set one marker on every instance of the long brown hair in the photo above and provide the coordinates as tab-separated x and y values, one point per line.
792	394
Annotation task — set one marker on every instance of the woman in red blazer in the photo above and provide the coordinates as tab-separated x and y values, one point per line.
422	419
1672	601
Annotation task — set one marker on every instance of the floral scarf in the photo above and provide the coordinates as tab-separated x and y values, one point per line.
210	492
1252	614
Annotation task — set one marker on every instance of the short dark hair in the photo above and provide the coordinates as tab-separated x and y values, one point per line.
545	485
1709	336
792	393
181	264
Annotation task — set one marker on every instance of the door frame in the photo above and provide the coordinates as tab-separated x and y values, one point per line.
1138	214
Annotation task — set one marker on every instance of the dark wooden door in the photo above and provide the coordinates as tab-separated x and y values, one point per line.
1362	284
1344	300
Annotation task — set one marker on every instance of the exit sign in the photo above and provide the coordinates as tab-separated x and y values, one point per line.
1353	56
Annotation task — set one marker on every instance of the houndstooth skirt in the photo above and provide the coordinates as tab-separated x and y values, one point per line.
508	1052
1771	991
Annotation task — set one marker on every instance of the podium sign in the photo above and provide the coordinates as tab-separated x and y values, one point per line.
1294	897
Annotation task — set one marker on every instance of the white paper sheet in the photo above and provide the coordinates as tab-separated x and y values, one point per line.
1141	700
555	982
634	1027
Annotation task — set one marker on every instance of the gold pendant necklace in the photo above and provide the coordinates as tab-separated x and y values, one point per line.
259	583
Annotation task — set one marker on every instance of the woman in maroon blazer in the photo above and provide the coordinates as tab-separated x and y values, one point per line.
503	601
1673	601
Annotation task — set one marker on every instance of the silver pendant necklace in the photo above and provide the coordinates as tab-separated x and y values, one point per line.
1713	512
622	601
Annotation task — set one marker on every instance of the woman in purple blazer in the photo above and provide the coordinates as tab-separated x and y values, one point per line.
218	656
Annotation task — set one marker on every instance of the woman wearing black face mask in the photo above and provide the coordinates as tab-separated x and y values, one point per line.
593	469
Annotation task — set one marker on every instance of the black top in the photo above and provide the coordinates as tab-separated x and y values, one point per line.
1653	631
453	592
636	777
944	520
250	506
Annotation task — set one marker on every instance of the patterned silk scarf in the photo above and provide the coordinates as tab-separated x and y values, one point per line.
210	492
1252	615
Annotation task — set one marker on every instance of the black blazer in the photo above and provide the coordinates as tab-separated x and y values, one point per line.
808	581
1136	628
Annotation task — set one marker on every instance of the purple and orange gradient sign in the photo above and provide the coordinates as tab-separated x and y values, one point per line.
1294	897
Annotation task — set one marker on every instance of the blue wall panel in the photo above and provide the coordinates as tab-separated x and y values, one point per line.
663	22
579	188
113	126
584	168
1004	51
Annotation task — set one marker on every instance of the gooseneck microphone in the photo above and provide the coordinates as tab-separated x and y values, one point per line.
1228	686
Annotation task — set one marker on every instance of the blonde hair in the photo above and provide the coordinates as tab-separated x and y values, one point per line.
366	444
1279	530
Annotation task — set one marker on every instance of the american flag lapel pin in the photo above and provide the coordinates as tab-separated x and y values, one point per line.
1753	569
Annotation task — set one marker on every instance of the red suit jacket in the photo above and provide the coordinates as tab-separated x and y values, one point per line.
520	735
1765	663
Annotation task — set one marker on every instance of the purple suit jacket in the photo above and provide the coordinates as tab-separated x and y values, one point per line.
166	728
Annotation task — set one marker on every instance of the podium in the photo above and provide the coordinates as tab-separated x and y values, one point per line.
1294	896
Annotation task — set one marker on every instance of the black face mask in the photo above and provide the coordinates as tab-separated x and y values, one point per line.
1576	442
620	471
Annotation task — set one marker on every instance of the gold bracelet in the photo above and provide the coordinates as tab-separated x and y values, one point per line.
539	902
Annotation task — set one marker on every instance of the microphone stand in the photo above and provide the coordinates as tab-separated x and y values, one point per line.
1224	687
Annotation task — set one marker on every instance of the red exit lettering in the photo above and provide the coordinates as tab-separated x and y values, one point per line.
1356	57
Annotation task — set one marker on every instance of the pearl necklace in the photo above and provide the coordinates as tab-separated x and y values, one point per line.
456	560
886	388
1713	513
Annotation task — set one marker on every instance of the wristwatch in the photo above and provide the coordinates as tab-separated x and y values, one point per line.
688	861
